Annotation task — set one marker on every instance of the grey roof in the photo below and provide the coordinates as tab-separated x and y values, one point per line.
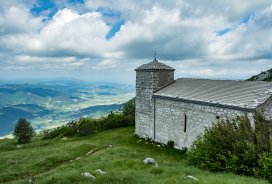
154	65
241	94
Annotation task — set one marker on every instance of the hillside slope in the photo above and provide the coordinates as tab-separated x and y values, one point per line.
263	76
116	152
48	104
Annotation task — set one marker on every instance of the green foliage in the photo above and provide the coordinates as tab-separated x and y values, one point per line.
116	120
171	144
233	145
265	163
88	126
23	131
268	78
129	108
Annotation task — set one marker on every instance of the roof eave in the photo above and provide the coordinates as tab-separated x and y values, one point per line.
152	70
245	109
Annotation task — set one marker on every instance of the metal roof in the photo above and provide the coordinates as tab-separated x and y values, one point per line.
241	94
154	65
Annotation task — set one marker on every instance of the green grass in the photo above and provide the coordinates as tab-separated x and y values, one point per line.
54	161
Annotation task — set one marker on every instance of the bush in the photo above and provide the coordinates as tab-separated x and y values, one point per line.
171	144
232	145
51	133
87	126
23	131
129	108
68	130
116	120
265	163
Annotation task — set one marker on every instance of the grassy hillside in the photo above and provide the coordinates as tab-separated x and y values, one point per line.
117	152
263	76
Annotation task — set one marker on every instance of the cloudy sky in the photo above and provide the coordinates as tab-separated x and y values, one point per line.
106	40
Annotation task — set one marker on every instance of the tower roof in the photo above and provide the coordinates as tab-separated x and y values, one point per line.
154	65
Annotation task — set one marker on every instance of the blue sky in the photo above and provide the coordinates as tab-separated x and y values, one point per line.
106	40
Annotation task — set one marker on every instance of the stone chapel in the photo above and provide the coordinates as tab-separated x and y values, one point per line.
179	110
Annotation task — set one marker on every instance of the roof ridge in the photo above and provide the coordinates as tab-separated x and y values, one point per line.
230	80
154	65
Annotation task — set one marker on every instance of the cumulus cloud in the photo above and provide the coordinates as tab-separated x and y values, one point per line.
184	33
172	35
67	34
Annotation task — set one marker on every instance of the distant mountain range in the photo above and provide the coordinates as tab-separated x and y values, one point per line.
263	76
47	104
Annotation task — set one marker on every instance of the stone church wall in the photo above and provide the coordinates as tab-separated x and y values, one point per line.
144	117
147	82
170	120
267	108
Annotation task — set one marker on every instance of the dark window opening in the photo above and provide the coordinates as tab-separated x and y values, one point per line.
185	123
217	117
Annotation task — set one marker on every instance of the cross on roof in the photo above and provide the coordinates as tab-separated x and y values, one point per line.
155	56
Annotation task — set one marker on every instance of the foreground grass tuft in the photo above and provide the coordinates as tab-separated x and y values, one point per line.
117	152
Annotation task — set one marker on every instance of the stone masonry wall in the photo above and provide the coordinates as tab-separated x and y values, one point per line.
144	115
147	82
266	107
170	120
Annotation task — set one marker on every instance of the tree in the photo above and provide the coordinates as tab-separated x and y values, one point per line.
23	131
129	107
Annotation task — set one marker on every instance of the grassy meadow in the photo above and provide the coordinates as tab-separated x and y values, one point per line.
117	152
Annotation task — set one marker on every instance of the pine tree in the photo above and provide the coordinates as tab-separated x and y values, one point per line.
23	131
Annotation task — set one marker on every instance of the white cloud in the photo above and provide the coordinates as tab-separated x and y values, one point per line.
16	19
68	34
184	33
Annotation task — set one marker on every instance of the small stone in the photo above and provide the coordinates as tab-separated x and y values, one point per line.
110	146
19	146
99	171
150	161
64	138
78	158
158	145
86	174
90	152
192	178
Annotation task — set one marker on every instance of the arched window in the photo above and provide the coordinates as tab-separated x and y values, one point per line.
185	123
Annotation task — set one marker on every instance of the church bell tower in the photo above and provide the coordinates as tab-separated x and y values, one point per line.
150	78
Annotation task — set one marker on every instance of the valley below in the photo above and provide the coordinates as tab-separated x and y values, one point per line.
48	104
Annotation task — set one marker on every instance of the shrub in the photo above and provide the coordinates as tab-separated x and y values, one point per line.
23	131
232	145
129	108
171	144
68	130
51	133
87	126
114	120
265	163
